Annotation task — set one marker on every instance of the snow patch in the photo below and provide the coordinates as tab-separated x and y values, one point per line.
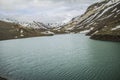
95	32
16	37
107	9
117	27
105	26
115	16
21	31
109	3
91	28
114	10
17	29
118	11
104	11
71	28
85	31
21	35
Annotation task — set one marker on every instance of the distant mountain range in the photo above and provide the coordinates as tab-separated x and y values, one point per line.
33	24
14	30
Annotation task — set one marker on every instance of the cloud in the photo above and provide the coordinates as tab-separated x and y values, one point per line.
43	10
26	4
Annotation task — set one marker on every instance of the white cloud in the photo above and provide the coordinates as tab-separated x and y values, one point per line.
43	10
26	4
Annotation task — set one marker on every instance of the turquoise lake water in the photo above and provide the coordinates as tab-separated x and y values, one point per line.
60	57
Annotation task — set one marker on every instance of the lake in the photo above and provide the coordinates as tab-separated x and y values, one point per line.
60	57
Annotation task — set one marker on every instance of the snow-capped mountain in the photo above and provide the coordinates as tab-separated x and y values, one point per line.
34	24
6	19
12	29
9	30
101	18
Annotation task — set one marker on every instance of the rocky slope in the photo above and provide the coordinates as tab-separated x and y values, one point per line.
101	21
9	30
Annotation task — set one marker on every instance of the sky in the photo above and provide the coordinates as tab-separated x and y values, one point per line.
47	11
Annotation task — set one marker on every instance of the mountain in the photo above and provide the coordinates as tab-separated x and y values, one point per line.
101	21
33	24
10	30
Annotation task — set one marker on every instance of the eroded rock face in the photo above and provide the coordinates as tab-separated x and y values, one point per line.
100	19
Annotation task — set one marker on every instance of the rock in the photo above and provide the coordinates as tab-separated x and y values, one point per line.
115	38
47	33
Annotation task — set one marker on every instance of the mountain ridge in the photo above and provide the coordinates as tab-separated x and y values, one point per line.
9	30
98	21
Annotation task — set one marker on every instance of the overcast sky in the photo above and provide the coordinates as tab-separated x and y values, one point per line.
43	10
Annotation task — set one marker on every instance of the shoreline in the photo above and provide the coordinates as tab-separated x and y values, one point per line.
112	38
24	37
93	37
29	37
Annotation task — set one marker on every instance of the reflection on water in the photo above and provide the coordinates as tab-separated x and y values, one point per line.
60	57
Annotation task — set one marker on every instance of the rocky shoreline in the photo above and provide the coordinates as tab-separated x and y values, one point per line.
114	38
